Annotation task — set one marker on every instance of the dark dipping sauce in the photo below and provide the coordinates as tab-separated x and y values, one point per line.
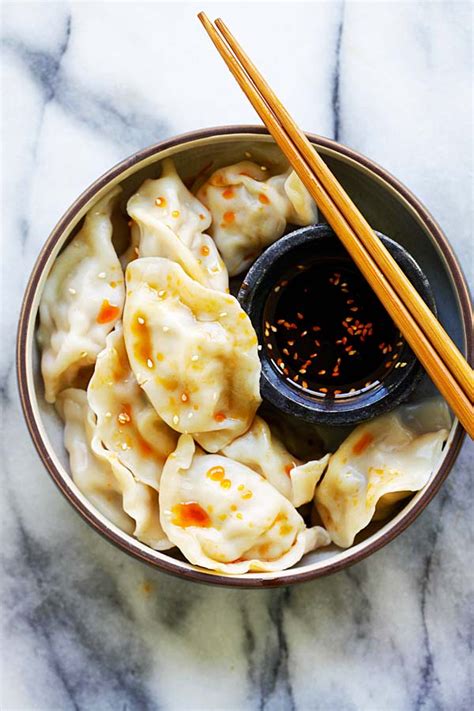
325	330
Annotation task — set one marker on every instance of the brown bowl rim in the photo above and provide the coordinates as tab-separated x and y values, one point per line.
168	566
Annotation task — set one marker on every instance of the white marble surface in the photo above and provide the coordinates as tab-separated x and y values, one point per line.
84	85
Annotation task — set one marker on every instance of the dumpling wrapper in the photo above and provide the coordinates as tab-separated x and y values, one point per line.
168	221
93	477
127	423
250	211
82	300
380	462
226	517
193	351
104	481
267	455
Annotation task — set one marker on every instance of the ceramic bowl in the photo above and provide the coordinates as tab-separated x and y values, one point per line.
388	206
319	242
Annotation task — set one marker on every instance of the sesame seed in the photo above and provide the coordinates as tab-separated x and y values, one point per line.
223	314
83	354
72	291
194	358
175	420
149	363
141	320
161	293
102	275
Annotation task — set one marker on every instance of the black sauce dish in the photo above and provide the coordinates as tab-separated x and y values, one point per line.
311	263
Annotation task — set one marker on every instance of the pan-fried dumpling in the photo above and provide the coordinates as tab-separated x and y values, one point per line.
379	463
82	300
127	423
266	454
168	221
250	211
193	351
108	484
226	517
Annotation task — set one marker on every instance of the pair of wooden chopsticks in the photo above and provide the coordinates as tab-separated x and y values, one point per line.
429	341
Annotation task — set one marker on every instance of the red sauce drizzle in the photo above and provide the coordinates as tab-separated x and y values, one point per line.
190	514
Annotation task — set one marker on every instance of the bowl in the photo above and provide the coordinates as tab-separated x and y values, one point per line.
387	205
317	247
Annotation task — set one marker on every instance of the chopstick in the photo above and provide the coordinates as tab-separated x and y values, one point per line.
446	366
418	308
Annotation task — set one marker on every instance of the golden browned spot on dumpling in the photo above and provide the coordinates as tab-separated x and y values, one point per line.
190	514
142	344
285	529
263	199
216	473
226	483
228	193
160	202
289	467
362	443
175	213
219	417
205	250
108	312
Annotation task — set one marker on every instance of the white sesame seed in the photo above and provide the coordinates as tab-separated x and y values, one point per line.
259	347
141	320
263	167
102	275
224	313
161	293
247	154
124	446
72	291
175	420
149	363
195	357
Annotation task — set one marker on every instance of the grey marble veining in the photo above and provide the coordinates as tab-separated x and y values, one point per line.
85	627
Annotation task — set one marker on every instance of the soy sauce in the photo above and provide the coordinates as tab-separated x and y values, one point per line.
326	331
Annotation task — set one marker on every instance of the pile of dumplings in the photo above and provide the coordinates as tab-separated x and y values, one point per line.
154	369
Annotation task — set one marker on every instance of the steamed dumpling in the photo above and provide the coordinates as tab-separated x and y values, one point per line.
103	479
380	462
266	454
168	221
82	300
250	211
127	423
226	517
93	477
193	351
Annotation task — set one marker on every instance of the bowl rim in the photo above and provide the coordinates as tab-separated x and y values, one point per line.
135	548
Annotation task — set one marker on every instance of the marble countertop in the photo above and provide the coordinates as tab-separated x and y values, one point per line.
85	627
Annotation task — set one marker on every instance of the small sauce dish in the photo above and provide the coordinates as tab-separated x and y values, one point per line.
330	353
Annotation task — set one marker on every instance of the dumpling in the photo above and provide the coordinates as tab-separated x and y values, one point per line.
266	454
168	221
250	211
82	300
379	463
226	517
127	423
193	351
93	477
109	486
